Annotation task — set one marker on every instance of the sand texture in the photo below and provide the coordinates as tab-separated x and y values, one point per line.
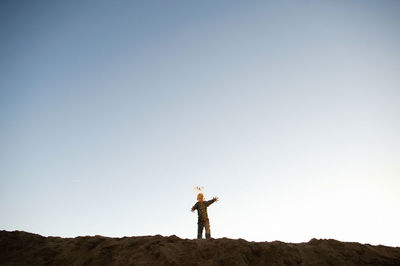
21	248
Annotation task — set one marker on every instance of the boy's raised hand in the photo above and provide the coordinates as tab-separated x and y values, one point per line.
215	199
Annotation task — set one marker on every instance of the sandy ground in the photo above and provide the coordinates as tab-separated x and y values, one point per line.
21	248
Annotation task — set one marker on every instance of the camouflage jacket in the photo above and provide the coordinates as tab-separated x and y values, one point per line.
201	208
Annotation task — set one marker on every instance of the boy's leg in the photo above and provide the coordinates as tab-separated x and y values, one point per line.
199	230
208	231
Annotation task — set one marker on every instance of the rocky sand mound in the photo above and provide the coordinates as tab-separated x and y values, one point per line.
21	248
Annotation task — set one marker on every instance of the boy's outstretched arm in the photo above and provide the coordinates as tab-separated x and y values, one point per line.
212	201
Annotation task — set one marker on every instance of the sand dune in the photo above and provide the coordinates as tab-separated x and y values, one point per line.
21	248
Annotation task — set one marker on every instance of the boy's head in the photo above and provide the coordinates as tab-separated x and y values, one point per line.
200	197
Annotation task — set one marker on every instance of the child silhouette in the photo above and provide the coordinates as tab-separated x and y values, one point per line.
201	207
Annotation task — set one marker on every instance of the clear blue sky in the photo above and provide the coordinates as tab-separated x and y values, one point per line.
111	112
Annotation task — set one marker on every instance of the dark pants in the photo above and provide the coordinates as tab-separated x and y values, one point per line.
200	226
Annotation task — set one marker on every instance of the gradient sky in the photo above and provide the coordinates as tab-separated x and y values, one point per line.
111	112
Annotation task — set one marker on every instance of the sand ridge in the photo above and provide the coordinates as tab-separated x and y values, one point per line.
22	248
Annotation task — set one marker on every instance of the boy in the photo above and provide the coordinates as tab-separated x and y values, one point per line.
201	207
